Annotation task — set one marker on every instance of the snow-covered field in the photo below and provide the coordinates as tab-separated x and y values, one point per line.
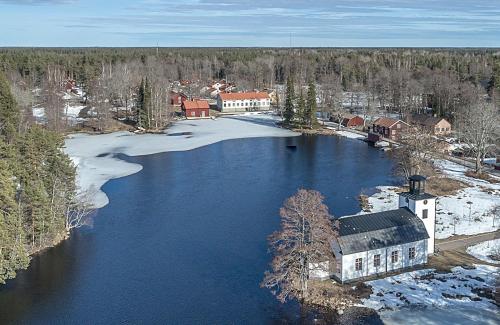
468	212
94	154
485	250
426	297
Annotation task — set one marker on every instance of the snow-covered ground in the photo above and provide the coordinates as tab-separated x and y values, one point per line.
485	250
468	212
350	135
426	297
73	111
94	154
39	114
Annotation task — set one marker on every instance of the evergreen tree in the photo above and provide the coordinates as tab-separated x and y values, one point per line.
13	254
289	102
311	106
9	114
144	105
140	104
301	109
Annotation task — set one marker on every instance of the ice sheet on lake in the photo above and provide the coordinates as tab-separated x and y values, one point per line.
93	154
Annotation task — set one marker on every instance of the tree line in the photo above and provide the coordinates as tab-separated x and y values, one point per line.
38	200
401	80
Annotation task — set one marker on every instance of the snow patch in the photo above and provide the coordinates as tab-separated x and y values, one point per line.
350	135
424	292
485	250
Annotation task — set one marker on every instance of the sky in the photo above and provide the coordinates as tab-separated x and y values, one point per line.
250	23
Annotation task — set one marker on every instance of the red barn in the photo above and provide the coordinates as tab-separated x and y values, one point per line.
176	99
195	108
352	121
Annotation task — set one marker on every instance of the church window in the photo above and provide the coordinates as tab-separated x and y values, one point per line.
425	213
425	201
376	260
394	256
358	265
411	253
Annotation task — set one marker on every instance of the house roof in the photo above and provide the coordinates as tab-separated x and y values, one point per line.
349	116
242	96
378	230
386	122
426	120
196	104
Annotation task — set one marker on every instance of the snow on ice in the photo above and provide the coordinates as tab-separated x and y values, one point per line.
94	154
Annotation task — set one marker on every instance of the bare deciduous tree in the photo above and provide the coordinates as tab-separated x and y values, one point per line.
305	236
479	129
418	147
79	210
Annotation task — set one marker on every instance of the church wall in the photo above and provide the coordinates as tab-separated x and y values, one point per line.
349	271
430	221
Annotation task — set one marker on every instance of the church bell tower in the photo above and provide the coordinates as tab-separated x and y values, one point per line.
422	204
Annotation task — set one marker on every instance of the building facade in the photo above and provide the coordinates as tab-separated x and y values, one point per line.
433	125
195	109
388	128
177	98
377	243
243	102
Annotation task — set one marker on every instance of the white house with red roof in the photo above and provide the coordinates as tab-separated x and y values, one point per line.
243	102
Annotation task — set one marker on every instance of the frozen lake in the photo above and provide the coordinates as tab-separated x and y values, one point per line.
184	239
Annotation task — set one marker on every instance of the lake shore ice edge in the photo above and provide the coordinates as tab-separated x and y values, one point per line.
94	155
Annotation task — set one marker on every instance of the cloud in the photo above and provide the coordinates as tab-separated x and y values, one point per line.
37	2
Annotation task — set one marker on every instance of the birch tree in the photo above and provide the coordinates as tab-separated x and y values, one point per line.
305	236
418	147
479	129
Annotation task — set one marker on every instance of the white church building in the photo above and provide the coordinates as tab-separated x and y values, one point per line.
377	243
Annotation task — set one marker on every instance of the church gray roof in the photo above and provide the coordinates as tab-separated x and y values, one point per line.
378	230
421	196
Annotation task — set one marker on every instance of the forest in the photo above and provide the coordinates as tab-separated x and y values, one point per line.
38	201
399	80
39	204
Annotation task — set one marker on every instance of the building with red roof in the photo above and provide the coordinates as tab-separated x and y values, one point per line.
177	98
388	128
195	108
243	102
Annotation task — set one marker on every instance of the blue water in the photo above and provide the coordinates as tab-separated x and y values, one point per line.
184	240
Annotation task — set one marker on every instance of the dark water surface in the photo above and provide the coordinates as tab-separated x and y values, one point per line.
184	240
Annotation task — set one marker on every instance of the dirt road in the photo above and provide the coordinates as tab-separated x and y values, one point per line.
454	243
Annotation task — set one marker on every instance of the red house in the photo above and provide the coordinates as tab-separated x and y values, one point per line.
195	108
177	98
351	121
388	128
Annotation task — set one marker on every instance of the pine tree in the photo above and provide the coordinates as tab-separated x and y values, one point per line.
301	109
289	102
140	104
311	105
13	254
144	105
9	114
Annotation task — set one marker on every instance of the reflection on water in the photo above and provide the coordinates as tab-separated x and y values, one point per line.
184	240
